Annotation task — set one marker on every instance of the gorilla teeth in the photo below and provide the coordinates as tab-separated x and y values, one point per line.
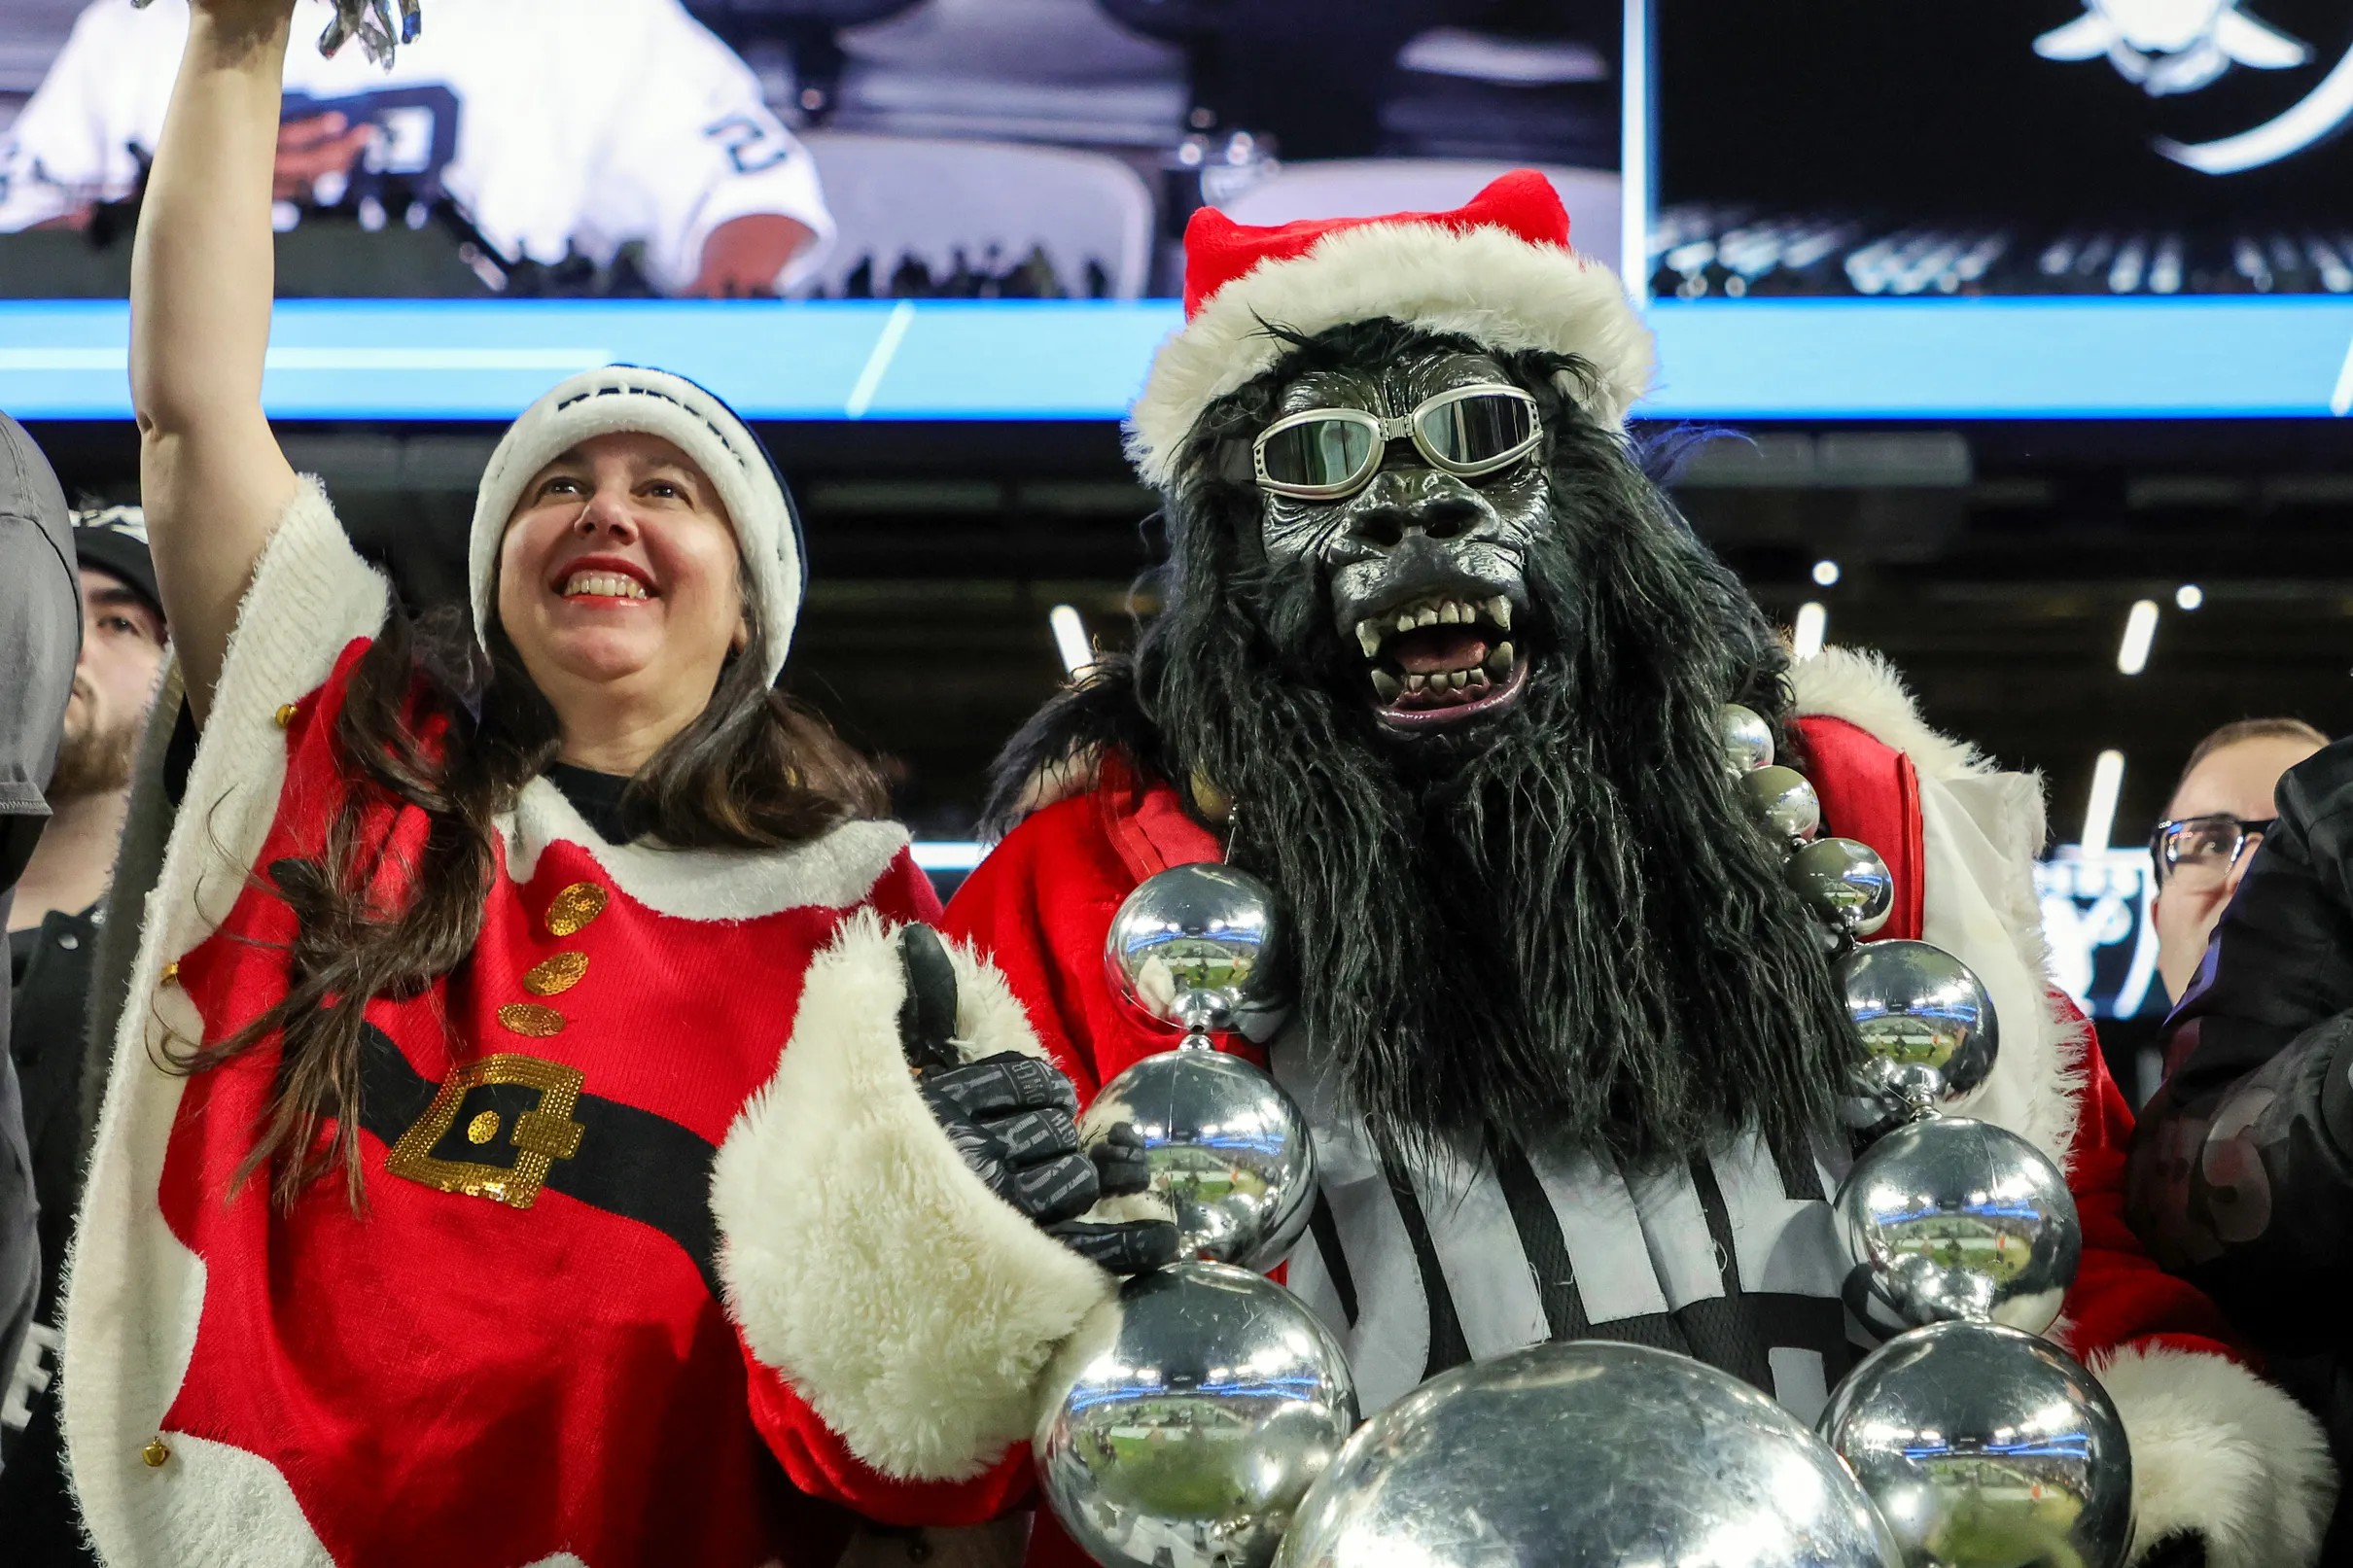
1501	661
1368	638
1388	687
1499	610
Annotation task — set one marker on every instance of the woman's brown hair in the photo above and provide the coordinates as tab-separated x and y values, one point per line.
754	771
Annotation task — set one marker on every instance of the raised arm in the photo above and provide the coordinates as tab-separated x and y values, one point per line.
210	472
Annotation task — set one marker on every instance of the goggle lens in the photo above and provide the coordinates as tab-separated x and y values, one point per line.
1473	430
1321	452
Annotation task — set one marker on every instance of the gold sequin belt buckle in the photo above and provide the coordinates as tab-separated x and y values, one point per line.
492	1129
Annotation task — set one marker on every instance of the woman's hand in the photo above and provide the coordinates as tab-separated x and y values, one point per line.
1014	1120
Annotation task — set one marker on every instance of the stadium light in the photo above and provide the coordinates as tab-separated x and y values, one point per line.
2140	630
2099	812
1070	640
1826	574
1812	627
2189	596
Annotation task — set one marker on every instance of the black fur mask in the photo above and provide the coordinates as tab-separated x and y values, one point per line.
1552	918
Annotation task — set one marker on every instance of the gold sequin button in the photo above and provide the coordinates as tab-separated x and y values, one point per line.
483	1128
531	1019
284	716
552	977
154	1452
171	973
575	907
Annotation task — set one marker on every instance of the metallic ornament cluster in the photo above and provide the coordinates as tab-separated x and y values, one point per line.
1980	1445
1842	881
1588	1452
1182	1423
371	21
1192	1414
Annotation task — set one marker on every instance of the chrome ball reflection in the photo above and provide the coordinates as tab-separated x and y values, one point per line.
1985	1447
1228	1149
1955	1219
1845	882
1588	1452
1786	801
1748	738
1928	1029
1186	1419
1199	947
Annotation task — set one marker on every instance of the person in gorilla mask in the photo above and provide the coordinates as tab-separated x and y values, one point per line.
1443	664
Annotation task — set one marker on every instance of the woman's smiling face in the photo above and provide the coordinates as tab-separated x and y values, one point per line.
619	565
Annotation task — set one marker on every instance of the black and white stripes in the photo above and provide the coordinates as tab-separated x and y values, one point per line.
1731	1259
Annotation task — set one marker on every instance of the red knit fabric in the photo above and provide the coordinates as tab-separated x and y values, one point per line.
441	1379
1218	250
1040	906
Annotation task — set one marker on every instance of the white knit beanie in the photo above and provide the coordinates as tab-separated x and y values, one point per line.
652	403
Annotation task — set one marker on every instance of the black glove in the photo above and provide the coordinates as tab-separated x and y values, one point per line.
1014	1120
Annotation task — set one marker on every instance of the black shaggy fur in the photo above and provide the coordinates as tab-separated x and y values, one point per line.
1564	926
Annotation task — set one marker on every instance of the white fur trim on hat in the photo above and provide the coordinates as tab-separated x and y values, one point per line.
1484	283
652	402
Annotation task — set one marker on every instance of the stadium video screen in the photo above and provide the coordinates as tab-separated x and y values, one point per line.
1903	148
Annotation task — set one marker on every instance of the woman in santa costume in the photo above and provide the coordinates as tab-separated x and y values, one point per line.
1440	664
512	1154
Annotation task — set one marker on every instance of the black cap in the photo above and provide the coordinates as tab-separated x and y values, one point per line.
114	540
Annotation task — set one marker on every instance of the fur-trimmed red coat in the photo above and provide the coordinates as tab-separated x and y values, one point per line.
2215	1448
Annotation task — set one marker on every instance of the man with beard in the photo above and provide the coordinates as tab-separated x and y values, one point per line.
1441	664
53	941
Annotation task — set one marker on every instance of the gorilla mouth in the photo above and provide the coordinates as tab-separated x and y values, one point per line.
1439	660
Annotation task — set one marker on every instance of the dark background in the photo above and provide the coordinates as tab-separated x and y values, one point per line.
1944	110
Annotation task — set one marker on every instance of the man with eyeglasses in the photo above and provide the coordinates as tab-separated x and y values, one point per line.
2220	811
2240	1180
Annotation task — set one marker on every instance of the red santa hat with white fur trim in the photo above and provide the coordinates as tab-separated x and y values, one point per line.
1497	269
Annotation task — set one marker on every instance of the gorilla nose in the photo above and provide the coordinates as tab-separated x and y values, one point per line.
1442	518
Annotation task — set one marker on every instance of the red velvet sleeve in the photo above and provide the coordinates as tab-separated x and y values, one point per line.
1038	908
2121	1296
813	1455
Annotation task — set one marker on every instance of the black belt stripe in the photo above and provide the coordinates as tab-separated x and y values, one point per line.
1799	1176
1325	1227
1543	1245
632	1162
1448	1350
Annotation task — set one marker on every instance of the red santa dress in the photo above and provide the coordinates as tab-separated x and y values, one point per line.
2215	1447
658	1242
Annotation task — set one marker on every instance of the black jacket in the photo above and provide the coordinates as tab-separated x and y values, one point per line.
2241	1174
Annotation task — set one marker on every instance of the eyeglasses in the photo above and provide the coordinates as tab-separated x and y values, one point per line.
2200	850
1323	453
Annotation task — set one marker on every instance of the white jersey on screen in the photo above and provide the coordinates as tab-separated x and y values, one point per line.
555	124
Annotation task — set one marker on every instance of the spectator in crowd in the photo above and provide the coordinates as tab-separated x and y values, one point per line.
2218	814
2241	1171
53	941
633	125
38	641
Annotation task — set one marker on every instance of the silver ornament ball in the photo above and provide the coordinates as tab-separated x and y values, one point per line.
1985	1448
1748	738
1785	800
1199	947
1225	1147
1845	884
1586	1453
1929	1032
1185	1419
1950	1219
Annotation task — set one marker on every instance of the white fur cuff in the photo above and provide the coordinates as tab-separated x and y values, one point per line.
2219	1452
911	1307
